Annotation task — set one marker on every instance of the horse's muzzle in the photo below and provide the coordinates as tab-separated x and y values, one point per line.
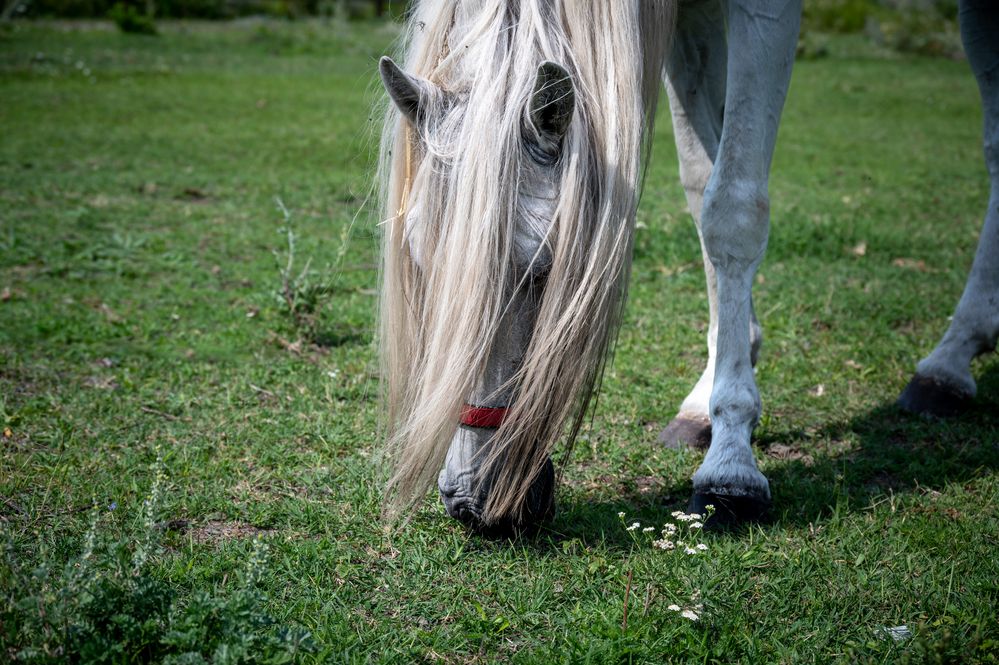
468	507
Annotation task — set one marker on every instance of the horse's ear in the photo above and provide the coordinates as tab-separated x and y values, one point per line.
406	91
552	104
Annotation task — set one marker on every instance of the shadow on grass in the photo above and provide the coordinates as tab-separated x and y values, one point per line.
331	338
890	451
895	452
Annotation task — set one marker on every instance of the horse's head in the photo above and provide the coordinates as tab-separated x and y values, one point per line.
510	165
523	216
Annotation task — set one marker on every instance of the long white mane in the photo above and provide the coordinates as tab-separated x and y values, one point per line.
458	173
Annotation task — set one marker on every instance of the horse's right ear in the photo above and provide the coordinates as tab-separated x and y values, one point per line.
406	91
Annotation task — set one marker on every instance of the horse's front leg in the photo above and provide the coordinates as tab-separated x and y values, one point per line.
462	489
735	220
943	384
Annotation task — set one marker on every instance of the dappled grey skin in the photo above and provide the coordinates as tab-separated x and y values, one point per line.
462	490
695	78
943	384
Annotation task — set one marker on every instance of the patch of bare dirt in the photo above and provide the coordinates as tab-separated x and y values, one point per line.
785	452
647	484
214	532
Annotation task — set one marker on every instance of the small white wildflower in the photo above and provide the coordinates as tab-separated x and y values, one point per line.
669	529
689	550
663	544
689	614
677	513
675	608
634	526
694	516
702	547
648	529
696	525
683	517
621	514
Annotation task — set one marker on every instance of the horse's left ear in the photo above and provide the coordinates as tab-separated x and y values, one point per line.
552	104
408	92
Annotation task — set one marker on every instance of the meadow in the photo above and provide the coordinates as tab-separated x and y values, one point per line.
188	273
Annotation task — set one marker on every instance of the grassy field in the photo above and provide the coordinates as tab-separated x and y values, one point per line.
147	308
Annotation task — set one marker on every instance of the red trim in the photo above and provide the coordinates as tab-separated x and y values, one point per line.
482	416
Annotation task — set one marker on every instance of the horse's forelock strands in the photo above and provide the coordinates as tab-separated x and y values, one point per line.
461	192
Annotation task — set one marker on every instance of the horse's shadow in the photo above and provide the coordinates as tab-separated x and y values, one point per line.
885	452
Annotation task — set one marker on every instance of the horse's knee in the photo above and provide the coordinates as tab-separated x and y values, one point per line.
735	223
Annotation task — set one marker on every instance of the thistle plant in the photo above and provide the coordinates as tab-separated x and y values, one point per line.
150	506
304	292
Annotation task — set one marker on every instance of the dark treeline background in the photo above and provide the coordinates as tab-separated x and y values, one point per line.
207	9
926	27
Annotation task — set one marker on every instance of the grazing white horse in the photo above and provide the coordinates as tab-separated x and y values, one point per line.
511	163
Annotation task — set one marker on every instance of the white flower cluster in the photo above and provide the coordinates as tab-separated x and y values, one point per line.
670	534
694	611
688	613
680	535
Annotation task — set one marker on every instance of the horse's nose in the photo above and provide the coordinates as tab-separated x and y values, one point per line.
446	488
462	508
453	484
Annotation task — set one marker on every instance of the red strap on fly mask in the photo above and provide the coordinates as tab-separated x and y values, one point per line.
482	416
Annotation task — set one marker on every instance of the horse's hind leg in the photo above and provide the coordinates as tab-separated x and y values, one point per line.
943	384
695	82
735	219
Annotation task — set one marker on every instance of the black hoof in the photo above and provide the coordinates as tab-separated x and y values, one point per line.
730	511
687	432
539	506
925	395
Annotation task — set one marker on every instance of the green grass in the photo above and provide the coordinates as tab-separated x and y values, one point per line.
138	231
